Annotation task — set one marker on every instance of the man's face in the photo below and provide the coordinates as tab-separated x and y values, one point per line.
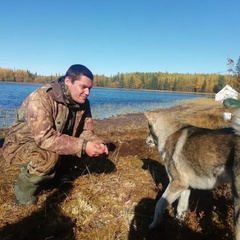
80	89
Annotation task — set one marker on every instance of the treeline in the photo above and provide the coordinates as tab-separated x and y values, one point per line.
205	83
22	76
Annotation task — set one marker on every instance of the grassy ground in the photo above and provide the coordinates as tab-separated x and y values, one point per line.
114	198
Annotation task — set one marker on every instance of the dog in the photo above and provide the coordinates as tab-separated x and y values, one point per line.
197	158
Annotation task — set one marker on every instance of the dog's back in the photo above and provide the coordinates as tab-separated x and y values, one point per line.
201	158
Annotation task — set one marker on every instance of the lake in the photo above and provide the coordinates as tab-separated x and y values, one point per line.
105	102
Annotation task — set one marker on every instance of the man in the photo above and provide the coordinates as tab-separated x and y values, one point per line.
53	121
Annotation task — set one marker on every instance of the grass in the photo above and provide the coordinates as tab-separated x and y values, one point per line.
114	198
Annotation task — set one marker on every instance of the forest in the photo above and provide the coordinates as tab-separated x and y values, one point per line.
186	82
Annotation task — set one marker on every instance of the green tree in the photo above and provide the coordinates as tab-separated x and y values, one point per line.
143	82
160	85
121	83
220	84
204	85
131	82
154	83
237	68
166	85
175	85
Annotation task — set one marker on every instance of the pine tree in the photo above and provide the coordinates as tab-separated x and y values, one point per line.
221	83
204	85
237	68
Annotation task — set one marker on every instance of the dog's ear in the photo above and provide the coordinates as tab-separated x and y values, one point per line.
146	114
149	116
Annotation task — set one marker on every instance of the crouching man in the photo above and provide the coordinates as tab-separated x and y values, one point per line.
53	121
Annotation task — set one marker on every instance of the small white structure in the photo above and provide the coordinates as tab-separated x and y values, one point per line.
227	116
226	92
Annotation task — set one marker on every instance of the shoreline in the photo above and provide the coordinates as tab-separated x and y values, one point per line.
7	115
182	103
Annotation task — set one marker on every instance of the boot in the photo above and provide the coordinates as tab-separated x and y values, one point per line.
27	185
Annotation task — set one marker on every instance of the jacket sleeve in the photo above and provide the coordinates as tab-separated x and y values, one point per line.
88	131
38	115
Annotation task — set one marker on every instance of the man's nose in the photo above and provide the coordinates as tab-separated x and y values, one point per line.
87	91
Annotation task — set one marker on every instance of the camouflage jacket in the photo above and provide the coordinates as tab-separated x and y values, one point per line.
43	118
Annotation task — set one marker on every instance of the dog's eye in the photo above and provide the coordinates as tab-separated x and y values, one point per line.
150	127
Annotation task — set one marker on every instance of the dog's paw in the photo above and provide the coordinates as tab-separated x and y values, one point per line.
181	215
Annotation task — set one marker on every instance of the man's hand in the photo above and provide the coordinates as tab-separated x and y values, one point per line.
94	149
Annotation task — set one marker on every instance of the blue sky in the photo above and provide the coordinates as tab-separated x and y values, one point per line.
111	36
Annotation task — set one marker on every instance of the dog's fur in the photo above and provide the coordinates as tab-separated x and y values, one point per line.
196	158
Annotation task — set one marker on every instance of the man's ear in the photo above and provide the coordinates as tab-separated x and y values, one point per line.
67	80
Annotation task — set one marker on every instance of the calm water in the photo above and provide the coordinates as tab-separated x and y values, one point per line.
105	103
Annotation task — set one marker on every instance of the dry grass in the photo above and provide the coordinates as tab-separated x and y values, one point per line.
114	198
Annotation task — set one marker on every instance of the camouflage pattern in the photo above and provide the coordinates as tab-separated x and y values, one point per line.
37	137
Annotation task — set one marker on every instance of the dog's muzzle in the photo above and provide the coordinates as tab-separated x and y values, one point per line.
150	141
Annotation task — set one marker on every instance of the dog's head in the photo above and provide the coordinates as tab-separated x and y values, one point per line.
161	126
152	139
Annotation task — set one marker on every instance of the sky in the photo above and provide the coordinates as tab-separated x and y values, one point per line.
119	36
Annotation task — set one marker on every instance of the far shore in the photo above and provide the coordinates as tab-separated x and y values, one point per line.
147	90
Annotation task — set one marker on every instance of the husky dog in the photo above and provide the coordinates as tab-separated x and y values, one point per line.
197	158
